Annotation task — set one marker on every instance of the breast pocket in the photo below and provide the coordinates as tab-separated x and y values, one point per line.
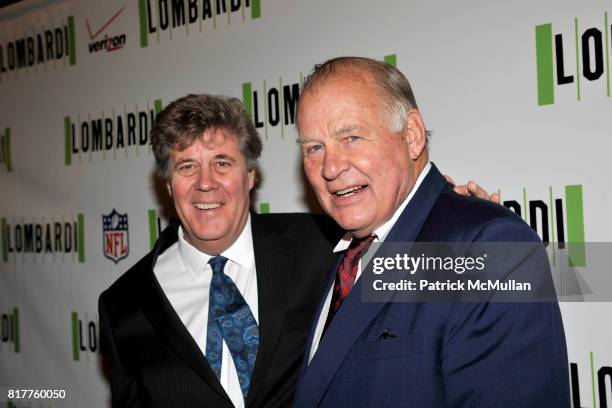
389	347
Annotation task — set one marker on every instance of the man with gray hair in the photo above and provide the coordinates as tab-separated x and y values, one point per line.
364	147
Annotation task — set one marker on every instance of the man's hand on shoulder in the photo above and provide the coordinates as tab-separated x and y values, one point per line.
473	189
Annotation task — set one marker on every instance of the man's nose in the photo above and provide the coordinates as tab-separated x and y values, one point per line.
335	163
206	179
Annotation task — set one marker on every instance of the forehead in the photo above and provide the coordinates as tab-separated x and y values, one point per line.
210	140
340	93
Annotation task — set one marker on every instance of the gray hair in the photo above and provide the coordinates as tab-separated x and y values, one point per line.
187	118
394	88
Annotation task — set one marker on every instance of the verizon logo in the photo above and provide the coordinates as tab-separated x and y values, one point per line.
108	42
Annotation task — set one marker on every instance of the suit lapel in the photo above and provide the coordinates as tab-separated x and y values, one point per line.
329	281
355	316
273	263
162	316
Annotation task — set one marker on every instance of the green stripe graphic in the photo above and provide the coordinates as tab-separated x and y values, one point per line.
607	52
68	140
544	62
391	59
152	228
552	224
577	59
75	337
593	379
247	98
255	9
575	225
16	329
6	149
72	40
144	35
81	227
264	208
157	105
4	240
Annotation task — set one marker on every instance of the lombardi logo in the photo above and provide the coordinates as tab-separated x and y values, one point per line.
598	384
566	58
55	43
273	105
10	330
556	220
105	133
157	16
5	150
85	336
44	237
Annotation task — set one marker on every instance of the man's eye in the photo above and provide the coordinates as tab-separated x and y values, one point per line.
353	138
186	168
314	148
223	165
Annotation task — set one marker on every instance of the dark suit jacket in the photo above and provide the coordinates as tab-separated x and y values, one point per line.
442	354
156	363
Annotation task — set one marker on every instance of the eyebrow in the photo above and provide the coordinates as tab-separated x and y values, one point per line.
337	133
346	129
221	156
181	161
305	140
225	157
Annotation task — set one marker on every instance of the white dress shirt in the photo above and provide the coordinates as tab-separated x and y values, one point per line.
184	275
380	234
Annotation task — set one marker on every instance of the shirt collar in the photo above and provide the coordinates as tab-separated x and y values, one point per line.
240	252
381	232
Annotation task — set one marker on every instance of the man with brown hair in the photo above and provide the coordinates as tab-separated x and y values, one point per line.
234	286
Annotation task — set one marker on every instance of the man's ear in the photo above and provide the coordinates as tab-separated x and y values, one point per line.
415	133
169	187
252	177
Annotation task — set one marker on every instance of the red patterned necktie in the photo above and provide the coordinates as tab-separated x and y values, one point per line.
345	276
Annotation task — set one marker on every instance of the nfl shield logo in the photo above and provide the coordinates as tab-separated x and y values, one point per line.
116	238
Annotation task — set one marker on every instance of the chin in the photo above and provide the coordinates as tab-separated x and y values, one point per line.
206	234
209	236
349	223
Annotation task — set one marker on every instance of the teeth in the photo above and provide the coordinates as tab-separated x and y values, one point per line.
201	206
348	190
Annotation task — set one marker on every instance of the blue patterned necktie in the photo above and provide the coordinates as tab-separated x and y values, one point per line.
230	319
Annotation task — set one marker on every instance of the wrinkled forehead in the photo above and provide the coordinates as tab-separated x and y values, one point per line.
340	101
210	139
357	86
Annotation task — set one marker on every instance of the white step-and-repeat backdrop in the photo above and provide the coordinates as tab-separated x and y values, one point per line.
518	96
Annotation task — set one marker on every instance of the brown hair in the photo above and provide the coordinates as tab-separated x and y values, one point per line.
187	118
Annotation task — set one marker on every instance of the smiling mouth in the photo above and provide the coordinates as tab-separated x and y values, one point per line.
207	206
349	191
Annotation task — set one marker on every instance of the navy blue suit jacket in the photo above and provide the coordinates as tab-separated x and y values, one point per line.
443	354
